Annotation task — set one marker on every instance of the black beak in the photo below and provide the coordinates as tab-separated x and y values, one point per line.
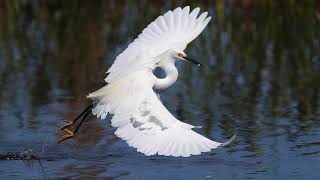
193	61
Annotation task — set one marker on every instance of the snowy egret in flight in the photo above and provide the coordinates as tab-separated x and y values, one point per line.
131	93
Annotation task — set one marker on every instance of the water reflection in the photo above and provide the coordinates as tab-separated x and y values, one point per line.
261	79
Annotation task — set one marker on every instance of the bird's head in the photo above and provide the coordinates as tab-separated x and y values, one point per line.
173	55
180	55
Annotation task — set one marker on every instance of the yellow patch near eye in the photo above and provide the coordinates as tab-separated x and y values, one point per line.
180	55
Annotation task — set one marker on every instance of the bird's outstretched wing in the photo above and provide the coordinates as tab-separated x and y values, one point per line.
143	121
175	29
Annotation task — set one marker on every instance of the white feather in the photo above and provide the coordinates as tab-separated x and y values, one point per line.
138	114
185	17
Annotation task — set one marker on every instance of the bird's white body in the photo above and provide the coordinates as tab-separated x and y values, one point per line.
130	95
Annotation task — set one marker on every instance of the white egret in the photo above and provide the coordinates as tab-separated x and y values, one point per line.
131	93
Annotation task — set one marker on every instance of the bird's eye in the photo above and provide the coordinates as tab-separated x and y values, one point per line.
180	55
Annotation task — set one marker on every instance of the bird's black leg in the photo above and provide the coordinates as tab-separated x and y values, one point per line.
70	133
82	120
68	124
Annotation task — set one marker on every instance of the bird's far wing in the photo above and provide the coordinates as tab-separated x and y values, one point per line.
174	29
144	122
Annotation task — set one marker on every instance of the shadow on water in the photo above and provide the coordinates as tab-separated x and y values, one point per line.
261	78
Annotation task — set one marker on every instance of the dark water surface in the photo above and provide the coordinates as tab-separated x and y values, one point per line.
261	80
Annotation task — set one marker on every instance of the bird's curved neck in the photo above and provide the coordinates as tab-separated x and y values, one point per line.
171	76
